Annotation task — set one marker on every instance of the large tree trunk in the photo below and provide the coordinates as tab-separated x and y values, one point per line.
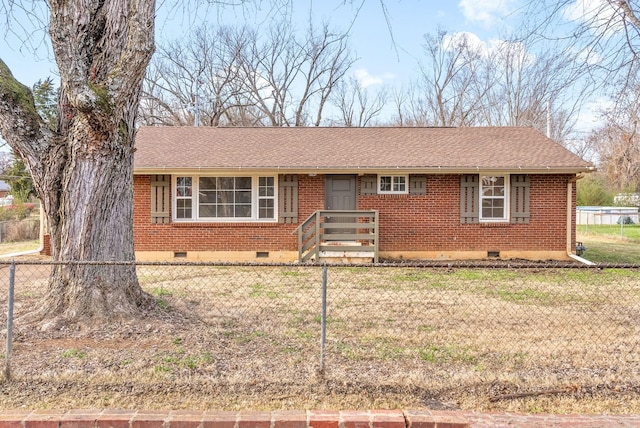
94	223
83	169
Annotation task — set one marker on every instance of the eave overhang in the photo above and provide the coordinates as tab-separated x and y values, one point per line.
364	170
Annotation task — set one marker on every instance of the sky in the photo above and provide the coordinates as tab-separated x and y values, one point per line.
387	52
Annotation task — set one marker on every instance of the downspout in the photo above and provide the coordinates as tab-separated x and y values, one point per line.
570	210
40	237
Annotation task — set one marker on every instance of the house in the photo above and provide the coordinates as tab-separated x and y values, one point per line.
5	189
286	194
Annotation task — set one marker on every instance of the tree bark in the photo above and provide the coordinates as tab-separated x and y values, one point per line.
83	170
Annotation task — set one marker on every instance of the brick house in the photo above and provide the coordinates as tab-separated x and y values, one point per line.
284	194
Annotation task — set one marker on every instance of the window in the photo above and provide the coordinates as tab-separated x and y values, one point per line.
266	200
392	184
493	198
183	197
216	198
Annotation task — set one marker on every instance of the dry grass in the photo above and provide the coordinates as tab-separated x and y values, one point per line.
237	337
14	247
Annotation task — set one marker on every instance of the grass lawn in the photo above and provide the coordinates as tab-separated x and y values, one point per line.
15	247
238	337
611	243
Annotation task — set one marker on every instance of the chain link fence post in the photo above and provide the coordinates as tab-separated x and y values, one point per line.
323	318
12	276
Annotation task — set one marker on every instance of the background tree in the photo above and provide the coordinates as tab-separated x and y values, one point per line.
19	180
450	84
45	98
605	35
605	40
237	77
357	107
196	78
617	143
463	82
533	88
593	190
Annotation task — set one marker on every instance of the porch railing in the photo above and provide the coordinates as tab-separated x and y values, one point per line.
338	234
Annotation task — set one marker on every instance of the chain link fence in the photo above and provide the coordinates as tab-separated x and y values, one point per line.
450	329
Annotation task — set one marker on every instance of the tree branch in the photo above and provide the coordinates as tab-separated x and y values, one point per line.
20	124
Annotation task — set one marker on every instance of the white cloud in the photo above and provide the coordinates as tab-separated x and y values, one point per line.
452	40
590	116
485	11
366	79
595	14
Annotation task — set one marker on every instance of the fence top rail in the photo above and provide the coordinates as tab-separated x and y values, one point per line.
471	264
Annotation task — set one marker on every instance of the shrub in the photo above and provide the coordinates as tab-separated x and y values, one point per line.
16	231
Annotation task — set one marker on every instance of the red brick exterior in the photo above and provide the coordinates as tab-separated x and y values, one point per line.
181	237
429	222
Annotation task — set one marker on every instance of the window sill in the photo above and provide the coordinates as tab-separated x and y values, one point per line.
209	224
390	195
502	223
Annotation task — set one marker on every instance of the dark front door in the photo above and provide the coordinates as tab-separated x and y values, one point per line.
340	194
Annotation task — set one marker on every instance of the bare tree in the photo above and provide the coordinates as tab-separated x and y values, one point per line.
326	61
605	37
466	83
355	105
538	89
617	143
604	34
235	76
83	169
449	85
196	79
279	67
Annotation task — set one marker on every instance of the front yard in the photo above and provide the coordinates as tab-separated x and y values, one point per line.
560	340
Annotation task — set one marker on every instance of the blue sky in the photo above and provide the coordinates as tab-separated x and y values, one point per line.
381	61
391	54
387	54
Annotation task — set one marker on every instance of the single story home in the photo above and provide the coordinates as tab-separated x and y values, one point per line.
287	194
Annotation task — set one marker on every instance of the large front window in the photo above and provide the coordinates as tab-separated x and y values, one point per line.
217	198
493	198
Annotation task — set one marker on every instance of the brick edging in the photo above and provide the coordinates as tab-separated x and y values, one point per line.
115	418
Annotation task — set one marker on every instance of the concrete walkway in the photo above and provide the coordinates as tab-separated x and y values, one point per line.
109	418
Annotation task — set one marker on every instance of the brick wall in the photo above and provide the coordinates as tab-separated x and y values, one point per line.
240	236
429	222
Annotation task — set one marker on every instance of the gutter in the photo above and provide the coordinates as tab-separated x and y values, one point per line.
41	239
266	169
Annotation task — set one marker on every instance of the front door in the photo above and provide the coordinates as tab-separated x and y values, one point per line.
340	194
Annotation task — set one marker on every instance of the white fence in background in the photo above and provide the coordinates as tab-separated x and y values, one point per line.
606	215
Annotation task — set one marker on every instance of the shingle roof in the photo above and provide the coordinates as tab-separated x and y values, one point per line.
351	149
